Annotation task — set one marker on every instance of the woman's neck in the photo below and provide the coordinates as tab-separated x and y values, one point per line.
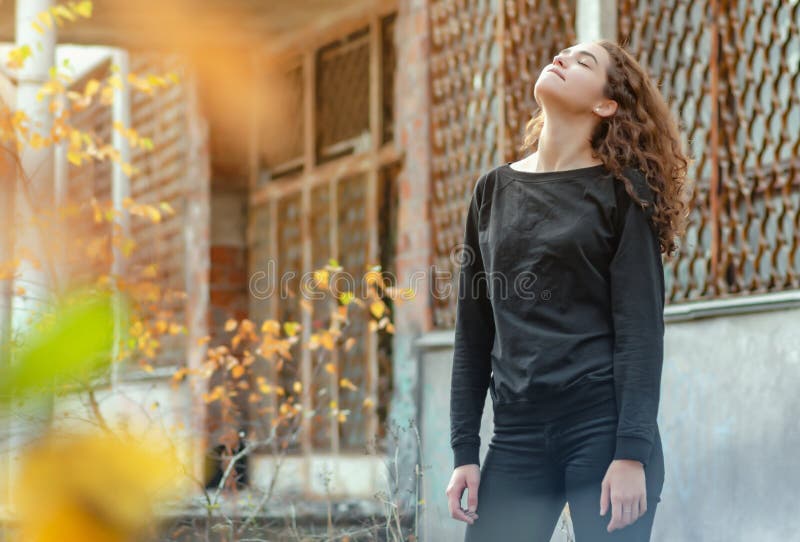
564	144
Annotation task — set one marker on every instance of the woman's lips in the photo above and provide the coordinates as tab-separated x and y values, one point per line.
558	73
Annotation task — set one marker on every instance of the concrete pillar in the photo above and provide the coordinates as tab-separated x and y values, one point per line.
120	189
596	19
34	199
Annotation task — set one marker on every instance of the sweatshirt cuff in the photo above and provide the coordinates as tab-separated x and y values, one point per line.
633	448
465	454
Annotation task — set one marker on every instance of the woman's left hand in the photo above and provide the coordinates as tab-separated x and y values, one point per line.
624	486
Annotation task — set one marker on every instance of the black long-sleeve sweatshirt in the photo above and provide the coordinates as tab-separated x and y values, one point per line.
560	303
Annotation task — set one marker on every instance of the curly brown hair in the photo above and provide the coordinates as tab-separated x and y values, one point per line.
642	134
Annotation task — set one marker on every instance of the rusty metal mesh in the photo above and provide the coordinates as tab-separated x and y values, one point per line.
342	95
743	235
471	69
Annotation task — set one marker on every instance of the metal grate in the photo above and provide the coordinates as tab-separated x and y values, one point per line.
321	224
388	69
342	95
350	200
477	61
352	227
290	265
534	33
281	122
89	180
742	236
162	117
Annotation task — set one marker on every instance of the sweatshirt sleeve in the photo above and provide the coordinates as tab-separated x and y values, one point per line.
637	303
474	338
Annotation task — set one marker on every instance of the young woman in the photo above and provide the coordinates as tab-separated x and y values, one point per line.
560	310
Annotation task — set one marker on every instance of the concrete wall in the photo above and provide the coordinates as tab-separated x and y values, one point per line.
728	419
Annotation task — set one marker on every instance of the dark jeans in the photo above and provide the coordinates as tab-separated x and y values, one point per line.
536	464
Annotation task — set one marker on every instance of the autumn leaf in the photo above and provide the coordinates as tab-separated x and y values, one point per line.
273	327
291	328
346	383
377	308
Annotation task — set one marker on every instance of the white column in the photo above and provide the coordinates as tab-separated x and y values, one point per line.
120	189
36	187
596	19
34	198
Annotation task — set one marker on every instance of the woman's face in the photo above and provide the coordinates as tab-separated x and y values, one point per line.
574	80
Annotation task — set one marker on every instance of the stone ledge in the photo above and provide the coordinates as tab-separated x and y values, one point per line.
300	507
677	312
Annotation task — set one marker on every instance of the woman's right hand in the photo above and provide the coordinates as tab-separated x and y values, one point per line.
464	477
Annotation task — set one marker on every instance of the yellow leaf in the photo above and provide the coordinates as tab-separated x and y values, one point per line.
46	18
237	371
91	88
115	81
291	328
298	386
153	214
273	327
346	383
62	11
377	308
84	8
74	158
230	325
330	367
321	277
372	277
327	341
107	96
151	271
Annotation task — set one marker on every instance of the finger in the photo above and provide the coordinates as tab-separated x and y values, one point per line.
454	503
630	511
642	505
472	498
604	491
627	513
616	514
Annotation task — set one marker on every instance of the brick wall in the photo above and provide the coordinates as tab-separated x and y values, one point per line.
228	273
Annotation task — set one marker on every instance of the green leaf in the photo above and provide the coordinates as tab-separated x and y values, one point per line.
72	341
